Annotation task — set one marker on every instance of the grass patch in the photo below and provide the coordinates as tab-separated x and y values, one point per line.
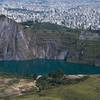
85	90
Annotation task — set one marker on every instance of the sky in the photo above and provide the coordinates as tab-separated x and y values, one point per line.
57	1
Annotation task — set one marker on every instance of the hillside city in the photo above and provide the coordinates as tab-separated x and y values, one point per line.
79	16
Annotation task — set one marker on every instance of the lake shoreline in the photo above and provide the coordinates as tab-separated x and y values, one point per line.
41	59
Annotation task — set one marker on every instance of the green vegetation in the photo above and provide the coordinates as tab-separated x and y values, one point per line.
51	80
56	79
2	16
45	32
88	89
49	26
57	75
53	87
43	83
80	51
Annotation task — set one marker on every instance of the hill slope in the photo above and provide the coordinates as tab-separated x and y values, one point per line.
58	42
31	40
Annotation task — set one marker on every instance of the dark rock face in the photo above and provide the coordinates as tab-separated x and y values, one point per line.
17	44
12	40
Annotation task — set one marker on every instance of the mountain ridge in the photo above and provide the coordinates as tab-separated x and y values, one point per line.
34	40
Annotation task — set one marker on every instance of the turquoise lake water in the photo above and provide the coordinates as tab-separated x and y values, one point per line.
45	67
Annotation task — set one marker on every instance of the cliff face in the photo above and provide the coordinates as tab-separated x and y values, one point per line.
30	40
17	43
13	44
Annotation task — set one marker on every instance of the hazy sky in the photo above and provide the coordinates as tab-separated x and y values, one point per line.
57	1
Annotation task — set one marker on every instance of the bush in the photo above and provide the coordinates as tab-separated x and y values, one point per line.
43	83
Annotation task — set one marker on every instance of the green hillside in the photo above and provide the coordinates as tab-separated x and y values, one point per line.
85	90
66	39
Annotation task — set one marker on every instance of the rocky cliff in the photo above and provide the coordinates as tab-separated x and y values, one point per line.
30	40
13	44
18	43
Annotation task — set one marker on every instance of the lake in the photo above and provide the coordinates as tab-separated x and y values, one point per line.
40	66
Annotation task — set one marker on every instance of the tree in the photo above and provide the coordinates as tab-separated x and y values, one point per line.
34	76
43	83
58	74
